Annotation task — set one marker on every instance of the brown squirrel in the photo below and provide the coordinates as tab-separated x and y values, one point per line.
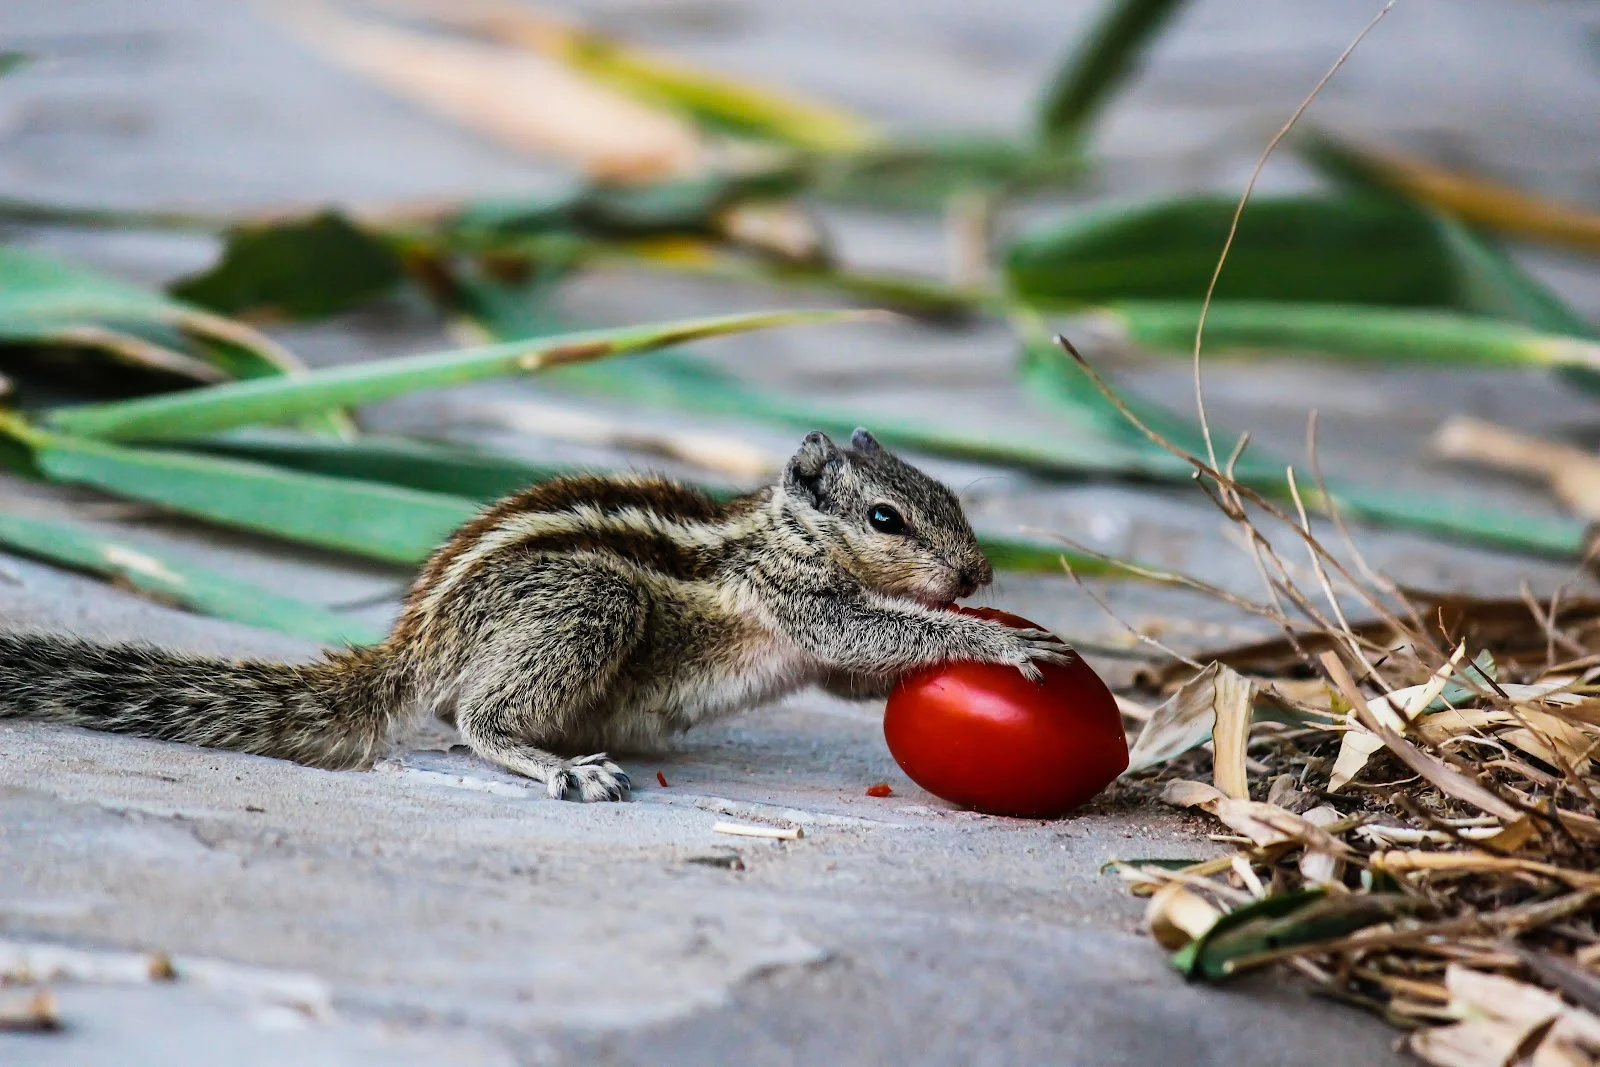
585	614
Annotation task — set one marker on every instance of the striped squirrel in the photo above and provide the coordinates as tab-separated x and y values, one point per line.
585	614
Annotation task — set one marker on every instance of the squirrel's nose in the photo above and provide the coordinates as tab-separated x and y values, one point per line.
972	578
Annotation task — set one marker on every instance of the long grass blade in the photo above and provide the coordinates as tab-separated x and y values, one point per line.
1472	199
170	578
482	476
431	466
1389	335
262	401
1105	57
378	521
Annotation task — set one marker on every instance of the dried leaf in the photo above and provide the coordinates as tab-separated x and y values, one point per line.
1580	984
1356	747
1574	1041
1572	473
1539	731
1512	836
1217	703
1264	824
1450	781
1499	1014
1177	915
1414	862
528	102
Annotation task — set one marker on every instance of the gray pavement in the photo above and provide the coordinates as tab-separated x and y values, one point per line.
437	911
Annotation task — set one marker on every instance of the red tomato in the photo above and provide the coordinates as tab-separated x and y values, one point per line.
983	736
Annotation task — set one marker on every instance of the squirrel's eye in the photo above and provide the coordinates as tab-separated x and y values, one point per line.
887	520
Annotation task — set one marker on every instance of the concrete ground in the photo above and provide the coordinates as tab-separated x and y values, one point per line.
437	911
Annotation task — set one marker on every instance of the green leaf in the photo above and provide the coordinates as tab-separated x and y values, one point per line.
46	301
201	412
11	62
1280	921
1331	250
923	174
366	518
433	467
1098	66
675	207
169	577
300	269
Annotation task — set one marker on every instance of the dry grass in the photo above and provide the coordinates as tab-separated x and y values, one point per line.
1418	827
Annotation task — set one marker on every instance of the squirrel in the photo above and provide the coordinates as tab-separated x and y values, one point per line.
585	614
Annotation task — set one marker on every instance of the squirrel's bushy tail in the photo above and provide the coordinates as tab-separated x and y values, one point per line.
334	713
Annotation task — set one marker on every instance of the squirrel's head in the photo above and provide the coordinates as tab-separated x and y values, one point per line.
896	529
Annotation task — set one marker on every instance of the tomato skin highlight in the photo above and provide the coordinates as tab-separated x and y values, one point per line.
982	736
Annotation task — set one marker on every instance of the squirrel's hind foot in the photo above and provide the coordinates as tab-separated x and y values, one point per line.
591	777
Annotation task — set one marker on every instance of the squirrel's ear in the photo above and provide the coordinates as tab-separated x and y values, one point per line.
862	441
817	453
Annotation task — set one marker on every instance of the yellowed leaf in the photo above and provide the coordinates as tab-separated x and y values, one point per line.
758	110
1471	198
1574	743
1217	703
524	101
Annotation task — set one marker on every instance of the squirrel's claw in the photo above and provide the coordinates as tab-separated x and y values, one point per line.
1041	646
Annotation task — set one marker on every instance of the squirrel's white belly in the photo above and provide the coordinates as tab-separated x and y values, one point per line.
755	678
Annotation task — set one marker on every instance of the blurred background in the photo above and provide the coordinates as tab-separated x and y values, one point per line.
196	192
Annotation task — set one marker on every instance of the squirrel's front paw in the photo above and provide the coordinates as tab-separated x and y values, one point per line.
1030	647
591	777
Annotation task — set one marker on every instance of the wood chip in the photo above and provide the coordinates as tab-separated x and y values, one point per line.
777	833
31	1013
